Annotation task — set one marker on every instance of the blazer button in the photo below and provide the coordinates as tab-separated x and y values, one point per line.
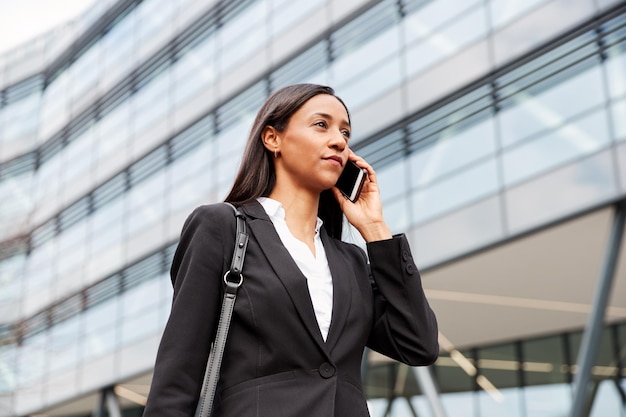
326	370
405	255
410	269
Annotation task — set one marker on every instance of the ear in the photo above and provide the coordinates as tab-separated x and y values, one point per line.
270	138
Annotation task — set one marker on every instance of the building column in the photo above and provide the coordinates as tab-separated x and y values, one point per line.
429	389
593	331
110	402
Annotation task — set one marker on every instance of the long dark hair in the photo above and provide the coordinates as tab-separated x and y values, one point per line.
257	176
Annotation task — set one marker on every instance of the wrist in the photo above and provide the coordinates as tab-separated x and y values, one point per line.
375	231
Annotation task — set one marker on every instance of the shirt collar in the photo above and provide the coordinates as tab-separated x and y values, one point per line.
274	209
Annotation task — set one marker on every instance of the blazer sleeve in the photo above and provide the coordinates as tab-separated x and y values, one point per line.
196	274
405	327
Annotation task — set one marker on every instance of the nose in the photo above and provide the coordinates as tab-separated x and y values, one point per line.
338	142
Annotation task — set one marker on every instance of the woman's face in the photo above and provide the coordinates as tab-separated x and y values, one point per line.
314	145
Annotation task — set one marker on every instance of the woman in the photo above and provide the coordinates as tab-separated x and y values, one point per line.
310	303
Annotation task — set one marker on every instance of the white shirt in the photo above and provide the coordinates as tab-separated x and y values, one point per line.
313	267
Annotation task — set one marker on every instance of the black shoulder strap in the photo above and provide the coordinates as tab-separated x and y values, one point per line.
234	276
233	279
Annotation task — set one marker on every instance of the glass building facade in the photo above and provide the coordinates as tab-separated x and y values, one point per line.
497	129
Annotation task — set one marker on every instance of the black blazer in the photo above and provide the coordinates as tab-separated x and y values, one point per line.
276	363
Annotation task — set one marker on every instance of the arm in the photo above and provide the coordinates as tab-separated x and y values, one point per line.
197	277
405	327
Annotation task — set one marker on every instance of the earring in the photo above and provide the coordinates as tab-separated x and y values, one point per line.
275	152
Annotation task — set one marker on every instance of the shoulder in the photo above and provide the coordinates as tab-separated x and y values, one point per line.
208	220
217	213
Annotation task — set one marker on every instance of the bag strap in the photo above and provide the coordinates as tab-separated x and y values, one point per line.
233	278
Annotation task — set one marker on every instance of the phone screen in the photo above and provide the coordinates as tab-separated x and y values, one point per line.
351	181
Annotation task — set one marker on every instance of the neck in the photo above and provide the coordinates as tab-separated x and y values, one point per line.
300	211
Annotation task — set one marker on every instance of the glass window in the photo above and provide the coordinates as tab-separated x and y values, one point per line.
379	79
461	189
32	359
616	70
243	34
194	70
16	201
72	248
618	116
48	178
152	101
152	15
392	180
78	155
608	400
451	38
100	328
577	138
63	344
286	13
146	203
550	106
564	191
40	266
11	275
375	52
193	163
548	400
107	225
192	191
113	131
451	149
504	11
140	325
473	226
422	22
499	366
20	118
55	105
620	150
118	48
8	362
85	72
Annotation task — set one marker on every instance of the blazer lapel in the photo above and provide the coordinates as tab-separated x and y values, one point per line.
285	267
342	294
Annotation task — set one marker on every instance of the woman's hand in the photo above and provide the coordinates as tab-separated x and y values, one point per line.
366	213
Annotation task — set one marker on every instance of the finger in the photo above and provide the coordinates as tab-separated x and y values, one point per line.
341	199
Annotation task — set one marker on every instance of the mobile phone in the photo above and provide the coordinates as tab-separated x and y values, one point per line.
351	181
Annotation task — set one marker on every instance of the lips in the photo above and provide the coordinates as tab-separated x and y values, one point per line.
335	158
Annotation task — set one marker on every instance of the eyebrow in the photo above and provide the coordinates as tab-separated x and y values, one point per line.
328	116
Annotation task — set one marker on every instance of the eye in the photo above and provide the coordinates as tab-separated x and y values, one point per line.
321	123
346	134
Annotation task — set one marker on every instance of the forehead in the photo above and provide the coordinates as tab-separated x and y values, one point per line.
324	104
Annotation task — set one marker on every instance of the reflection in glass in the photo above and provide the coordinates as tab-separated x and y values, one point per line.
548	106
100	329
443	43
504	11
20	118
577	138
618	116
63	344
243	35
616	70
286	13
194	70
451	149
561	192
31	359
500	366
470	185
